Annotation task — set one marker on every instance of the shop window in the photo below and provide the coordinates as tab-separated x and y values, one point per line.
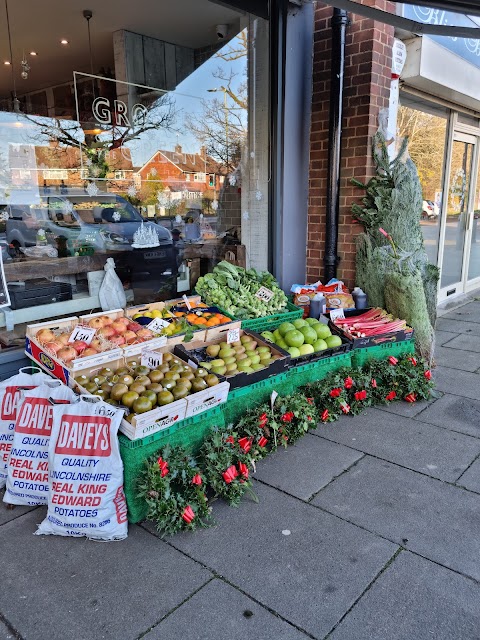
99	154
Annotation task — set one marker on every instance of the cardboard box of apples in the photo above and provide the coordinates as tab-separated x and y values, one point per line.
307	340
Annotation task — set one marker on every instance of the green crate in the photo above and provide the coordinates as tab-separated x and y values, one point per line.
188	433
313	371
242	399
270	323
381	351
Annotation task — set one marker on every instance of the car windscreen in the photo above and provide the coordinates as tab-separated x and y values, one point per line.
95	210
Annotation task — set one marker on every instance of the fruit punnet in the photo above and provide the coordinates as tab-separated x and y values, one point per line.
139	389
303	337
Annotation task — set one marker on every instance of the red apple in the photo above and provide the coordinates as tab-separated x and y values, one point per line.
89	351
79	346
119	327
96	323
106	320
106	332
145	333
134	326
45	335
124	319
130	336
118	340
53	346
67	354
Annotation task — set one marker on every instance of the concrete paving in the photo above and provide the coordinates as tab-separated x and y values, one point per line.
367	529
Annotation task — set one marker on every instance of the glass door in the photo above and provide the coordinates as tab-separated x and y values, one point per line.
473	273
458	212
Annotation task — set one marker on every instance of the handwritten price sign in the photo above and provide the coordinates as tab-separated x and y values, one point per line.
86	334
264	294
157	325
187	303
336	313
233	335
151	359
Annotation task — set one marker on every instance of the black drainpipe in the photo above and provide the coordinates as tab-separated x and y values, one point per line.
339	28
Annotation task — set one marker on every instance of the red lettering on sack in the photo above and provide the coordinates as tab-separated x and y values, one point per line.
120	506
84	436
11	401
35	417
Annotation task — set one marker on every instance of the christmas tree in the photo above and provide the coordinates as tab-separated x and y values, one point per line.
391	262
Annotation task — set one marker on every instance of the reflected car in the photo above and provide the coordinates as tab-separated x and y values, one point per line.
106	222
430	210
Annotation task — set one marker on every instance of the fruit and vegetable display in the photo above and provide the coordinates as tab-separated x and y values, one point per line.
303	337
244	356
140	389
203	317
373	322
239	292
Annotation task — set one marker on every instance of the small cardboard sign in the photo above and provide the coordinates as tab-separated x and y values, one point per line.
151	359
157	324
86	334
264	294
336	313
233	335
273	397
187	303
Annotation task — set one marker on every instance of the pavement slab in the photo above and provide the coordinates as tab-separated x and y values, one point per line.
437	520
307	467
468	313
406	409
419	446
465	342
304	564
450	326
415	599
5	633
6	515
471	478
460	383
218	611
69	588
441	337
448	356
455	413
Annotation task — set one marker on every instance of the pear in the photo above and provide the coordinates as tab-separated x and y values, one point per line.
213	350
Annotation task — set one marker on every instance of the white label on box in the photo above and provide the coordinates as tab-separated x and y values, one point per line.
264	294
185	299
151	359
192	364
157	324
336	313
233	335
85	334
92	361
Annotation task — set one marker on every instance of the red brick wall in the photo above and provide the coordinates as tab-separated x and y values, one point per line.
366	91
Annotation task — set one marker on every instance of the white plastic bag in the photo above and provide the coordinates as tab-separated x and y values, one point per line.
10	398
86	473
111	292
27	472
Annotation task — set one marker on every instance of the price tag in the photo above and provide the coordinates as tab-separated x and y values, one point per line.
151	359
157	324
85	334
336	313
185	299
264	294
233	335
192	364
273	397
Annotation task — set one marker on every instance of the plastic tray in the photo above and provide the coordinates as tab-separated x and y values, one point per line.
244	398
188	433
317	370
270	323
361	356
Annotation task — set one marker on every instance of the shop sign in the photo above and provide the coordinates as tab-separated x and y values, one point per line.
466	48
118	115
399	56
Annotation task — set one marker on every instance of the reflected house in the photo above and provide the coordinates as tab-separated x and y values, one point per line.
183	174
61	168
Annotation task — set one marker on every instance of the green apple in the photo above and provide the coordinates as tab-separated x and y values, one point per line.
277	335
282	344
300	322
268	335
311	321
322	331
306	349
284	327
294	352
309	334
333	341
320	345
294	338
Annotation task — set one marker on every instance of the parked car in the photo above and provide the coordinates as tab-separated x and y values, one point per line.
430	210
106	222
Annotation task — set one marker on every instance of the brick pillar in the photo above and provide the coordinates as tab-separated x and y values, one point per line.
366	91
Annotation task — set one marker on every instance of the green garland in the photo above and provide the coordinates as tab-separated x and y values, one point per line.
175	485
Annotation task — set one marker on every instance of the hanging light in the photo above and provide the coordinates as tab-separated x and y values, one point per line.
25	68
